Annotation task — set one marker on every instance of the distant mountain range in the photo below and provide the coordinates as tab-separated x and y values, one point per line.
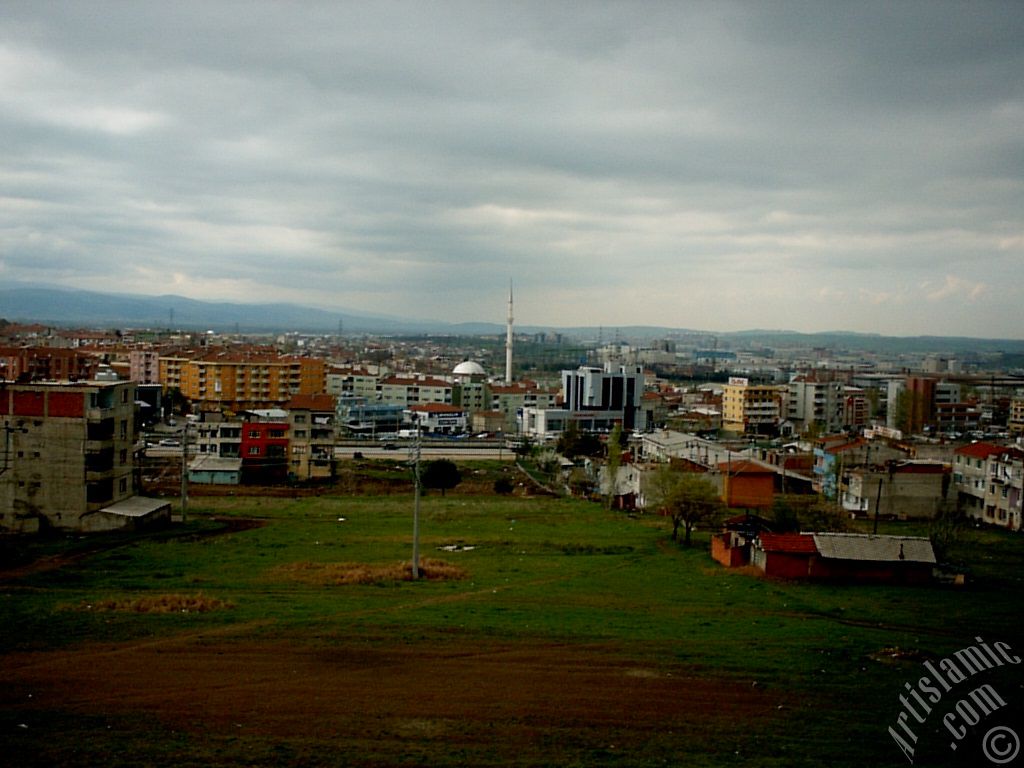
65	308
76	308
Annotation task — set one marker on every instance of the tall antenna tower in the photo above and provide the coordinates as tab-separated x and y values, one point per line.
508	338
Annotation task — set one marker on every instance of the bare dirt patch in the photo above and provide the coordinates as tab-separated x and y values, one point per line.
167	603
443	700
340	574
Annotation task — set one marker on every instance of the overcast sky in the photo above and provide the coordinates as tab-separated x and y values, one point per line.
808	166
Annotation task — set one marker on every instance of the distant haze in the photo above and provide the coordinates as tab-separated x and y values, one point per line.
723	165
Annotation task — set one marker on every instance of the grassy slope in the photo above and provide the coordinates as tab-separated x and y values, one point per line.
556	570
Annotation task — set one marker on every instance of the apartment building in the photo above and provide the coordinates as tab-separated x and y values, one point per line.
240	381
856	408
170	366
987	478
144	365
351	381
46	364
818	403
1015	422
67	458
752	409
311	420
264	446
415	389
216	436
511	399
904	490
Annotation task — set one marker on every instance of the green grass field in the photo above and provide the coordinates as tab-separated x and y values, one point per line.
828	661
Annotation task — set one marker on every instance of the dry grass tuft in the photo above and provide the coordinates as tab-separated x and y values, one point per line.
340	574
173	603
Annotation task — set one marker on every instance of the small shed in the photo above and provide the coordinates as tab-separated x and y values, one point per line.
867	558
731	547
784	555
132	514
215	470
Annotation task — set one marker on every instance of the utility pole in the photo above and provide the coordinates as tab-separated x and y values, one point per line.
878	506
416	451
184	474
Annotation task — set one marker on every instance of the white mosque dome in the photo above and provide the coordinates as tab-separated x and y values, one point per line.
469	368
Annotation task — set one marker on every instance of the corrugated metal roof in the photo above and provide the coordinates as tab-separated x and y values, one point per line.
210	463
861	546
136	506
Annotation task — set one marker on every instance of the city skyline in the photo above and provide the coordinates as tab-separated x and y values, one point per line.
701	165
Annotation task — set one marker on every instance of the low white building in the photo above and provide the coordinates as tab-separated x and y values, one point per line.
437	418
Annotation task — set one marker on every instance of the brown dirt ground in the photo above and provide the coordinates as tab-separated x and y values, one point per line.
377	696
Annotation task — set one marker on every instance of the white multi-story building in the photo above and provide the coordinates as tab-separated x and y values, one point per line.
344	381
412	390
988	481
815	402
595	399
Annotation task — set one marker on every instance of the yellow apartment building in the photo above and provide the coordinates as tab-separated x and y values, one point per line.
750	408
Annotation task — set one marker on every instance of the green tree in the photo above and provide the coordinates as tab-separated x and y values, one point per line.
575	442
946	530
823	516
686	497
784	517
524	448
441	474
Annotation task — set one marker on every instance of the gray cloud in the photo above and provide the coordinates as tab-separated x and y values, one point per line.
718	165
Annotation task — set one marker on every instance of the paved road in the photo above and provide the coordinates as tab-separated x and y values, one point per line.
455	452
401	452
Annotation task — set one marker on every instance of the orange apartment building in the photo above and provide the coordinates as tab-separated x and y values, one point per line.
240	381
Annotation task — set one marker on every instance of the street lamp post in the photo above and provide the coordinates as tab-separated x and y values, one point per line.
416	450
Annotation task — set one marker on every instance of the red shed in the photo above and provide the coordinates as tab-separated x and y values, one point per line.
784	555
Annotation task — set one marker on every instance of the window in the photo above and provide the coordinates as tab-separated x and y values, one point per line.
300	418
254	434
122	485
124	429
124	456
300	433
277	433
254	450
